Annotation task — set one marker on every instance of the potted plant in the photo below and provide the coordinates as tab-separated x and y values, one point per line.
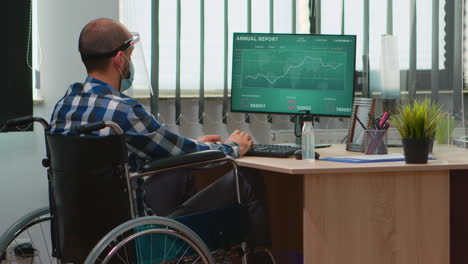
417	123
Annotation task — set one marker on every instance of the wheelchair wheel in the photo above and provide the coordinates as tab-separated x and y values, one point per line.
150	239
32	228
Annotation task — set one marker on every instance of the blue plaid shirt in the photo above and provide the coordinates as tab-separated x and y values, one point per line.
95	101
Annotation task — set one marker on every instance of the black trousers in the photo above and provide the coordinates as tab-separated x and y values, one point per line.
173	194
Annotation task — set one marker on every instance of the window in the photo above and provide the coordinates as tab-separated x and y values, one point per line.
190	26
353	17
337	16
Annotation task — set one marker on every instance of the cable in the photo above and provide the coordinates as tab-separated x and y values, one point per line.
4	128
344	139
28	44
239	121
260	121
39	47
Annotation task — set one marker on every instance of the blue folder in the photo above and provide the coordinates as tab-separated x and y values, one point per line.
369	158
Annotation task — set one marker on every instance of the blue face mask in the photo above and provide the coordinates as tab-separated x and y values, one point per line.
125	84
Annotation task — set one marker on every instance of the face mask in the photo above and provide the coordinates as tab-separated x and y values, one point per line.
125	84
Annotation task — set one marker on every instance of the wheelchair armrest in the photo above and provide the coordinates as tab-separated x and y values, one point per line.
181	160
90	127
26	120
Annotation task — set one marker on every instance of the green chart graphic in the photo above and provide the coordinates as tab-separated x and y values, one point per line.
293	69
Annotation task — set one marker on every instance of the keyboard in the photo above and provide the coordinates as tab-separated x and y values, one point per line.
269	150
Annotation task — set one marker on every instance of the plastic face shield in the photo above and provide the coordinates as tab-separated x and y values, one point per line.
141	86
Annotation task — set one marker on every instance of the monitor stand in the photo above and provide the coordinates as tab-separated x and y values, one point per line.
298	129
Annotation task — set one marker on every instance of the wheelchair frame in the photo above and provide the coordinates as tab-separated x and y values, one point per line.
181	230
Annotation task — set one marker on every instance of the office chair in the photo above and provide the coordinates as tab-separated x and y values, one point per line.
97	212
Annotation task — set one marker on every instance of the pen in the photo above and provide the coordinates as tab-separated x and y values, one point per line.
363	126
385	126
383	120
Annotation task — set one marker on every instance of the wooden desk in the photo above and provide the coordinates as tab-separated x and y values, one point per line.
368	213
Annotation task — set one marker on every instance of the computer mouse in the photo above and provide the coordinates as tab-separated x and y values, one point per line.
298	154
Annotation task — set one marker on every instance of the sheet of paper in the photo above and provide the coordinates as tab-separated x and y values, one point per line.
377	157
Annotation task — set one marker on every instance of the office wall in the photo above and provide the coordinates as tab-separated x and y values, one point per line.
22	179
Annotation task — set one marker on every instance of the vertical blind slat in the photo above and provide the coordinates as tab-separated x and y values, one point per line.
435	52
272	15
293	17
249	29
201	99
342	17
458	62
365	51
226	37
413	51
389	17
318	16
154	97
272	30
314	19
249	16
177	99
292	118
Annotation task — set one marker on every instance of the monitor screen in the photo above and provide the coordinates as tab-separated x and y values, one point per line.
288	73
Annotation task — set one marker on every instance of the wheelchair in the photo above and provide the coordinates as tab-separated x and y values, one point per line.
97	214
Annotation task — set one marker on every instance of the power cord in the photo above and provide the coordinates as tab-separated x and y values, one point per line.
4	128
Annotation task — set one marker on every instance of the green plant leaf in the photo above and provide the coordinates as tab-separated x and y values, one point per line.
418	119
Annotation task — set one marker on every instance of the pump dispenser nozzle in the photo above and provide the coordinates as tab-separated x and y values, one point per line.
307	115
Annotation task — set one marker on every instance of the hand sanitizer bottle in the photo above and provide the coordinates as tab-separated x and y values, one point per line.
308	138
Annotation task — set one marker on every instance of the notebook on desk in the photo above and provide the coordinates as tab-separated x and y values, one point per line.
368	158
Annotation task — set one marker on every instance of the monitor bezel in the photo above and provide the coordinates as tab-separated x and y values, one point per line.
296	34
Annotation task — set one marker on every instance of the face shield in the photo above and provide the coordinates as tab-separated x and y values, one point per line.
137	83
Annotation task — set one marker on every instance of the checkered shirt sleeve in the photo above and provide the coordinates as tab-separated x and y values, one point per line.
95	101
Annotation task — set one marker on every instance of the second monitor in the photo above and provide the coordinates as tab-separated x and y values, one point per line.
288	73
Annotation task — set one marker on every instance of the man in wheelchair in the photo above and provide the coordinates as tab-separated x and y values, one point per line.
106	49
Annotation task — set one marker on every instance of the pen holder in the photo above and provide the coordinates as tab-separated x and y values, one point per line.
375	142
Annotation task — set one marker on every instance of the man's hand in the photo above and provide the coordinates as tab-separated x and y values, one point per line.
242	139
210	139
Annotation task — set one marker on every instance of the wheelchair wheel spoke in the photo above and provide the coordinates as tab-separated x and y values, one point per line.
34	245
126	254
151	247
157	240
139	250
45	243
196	260
165	245
111	246
167	251
185	252
32	228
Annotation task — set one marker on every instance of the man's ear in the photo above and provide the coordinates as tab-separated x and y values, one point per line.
118	60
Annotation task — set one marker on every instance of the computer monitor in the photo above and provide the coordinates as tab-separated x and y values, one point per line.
289	73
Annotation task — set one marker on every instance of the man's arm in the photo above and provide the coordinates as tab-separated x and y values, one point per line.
243	140
210	139
147	138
